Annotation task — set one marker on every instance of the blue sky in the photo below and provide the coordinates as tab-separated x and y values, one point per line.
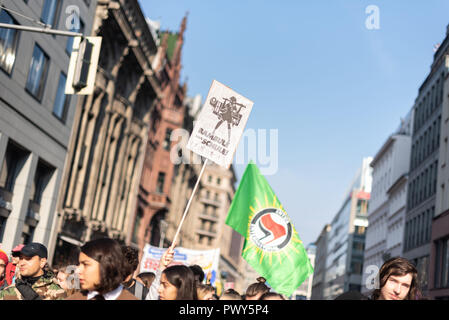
333	89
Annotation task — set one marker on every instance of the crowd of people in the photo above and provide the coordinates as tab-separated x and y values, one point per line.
107	270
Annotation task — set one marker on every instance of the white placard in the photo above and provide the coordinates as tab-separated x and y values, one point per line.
220	124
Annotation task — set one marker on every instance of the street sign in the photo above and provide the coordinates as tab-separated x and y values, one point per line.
83	65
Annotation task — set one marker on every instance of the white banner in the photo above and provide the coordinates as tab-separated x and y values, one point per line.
220	124
206	259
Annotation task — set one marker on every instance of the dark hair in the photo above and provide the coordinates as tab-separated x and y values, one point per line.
183	279
271	295
257	288
198	272
108	253
231	294
131	259
398	267
147	278
203	289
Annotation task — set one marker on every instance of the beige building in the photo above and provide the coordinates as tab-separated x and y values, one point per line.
109	138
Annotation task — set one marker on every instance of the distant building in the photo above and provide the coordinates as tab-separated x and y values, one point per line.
439	253
320	264
304	292
36	119
344	263
386	214
424	163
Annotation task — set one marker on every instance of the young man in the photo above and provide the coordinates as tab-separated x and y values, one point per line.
35	281
398	280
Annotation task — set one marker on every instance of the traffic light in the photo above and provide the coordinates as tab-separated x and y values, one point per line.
83	65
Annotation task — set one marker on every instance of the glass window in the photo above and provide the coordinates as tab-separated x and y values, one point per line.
38	73
218	181
160	182
166	143
69	45
62	100
50	12
8	43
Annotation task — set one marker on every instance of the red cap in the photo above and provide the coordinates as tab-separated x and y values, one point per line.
4	257
18	248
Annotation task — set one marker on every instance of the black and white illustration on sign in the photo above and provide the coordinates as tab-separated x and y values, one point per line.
220	124
227	112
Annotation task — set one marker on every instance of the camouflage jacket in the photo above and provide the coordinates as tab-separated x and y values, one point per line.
45	287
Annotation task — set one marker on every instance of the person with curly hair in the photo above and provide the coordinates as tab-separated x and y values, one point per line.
398	280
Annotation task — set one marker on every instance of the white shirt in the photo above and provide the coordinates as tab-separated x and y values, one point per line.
112	295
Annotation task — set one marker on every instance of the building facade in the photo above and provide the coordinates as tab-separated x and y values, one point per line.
158	169
110	132
304	292
439	254
344	262
422	184
320	264
36	119
388	199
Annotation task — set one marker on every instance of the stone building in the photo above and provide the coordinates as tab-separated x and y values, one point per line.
110	132
158	170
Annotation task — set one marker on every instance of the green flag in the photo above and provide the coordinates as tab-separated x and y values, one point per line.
272	245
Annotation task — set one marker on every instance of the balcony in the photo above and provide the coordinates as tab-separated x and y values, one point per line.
213	202
209	217
5	202
202	232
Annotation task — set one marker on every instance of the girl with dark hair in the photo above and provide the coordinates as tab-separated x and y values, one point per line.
101	272
256	290
398	280
177	283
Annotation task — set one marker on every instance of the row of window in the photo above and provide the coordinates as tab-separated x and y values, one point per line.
417	230
429	103
40	61
426	144
209	179
13	163
442	263
423	186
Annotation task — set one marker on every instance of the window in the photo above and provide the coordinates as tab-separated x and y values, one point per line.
69	45
62	101
40	182
218	181
209	179
50	12
160	182
8	43
166	143
15	157
2	227
27	234
38	73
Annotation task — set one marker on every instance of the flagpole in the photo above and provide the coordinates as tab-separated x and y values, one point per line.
188	204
